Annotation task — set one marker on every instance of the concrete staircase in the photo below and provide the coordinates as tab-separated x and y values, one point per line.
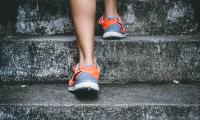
116	102
153	74
133	59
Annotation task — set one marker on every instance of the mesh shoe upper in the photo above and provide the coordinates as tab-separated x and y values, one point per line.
112	24
91	73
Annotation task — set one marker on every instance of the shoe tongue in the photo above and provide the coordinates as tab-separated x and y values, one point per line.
110	17
89	65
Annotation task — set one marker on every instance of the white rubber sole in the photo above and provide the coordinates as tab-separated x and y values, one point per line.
114	35
84	86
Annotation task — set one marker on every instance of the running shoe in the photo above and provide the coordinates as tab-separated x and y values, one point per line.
84	78
113	27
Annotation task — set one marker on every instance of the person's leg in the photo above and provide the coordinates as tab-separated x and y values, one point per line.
110	8
110	21
86	73
84	23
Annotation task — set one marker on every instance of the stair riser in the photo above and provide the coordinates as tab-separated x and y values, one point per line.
45	61
76	112
140	17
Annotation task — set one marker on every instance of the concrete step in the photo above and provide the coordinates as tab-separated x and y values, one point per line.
133	59
50	17
115	102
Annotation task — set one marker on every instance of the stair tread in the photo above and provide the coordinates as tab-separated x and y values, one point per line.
110	95
155	38
45	59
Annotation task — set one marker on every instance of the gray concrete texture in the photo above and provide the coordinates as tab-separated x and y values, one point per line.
144	17
114	102
133	59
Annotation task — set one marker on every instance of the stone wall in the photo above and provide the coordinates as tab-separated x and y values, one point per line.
50	17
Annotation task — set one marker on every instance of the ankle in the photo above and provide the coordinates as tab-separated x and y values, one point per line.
110	15
87	63
84	62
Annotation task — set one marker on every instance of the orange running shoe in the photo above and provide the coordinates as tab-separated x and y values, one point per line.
85	78
113	27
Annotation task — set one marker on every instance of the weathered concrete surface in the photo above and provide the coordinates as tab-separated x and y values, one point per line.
136	58
115	102
140	16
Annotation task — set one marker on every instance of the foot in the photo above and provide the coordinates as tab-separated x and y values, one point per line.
113	27
84	79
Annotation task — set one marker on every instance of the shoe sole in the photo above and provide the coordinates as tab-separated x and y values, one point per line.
84	86
114	35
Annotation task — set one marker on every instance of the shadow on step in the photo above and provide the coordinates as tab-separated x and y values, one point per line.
196	7
85	95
